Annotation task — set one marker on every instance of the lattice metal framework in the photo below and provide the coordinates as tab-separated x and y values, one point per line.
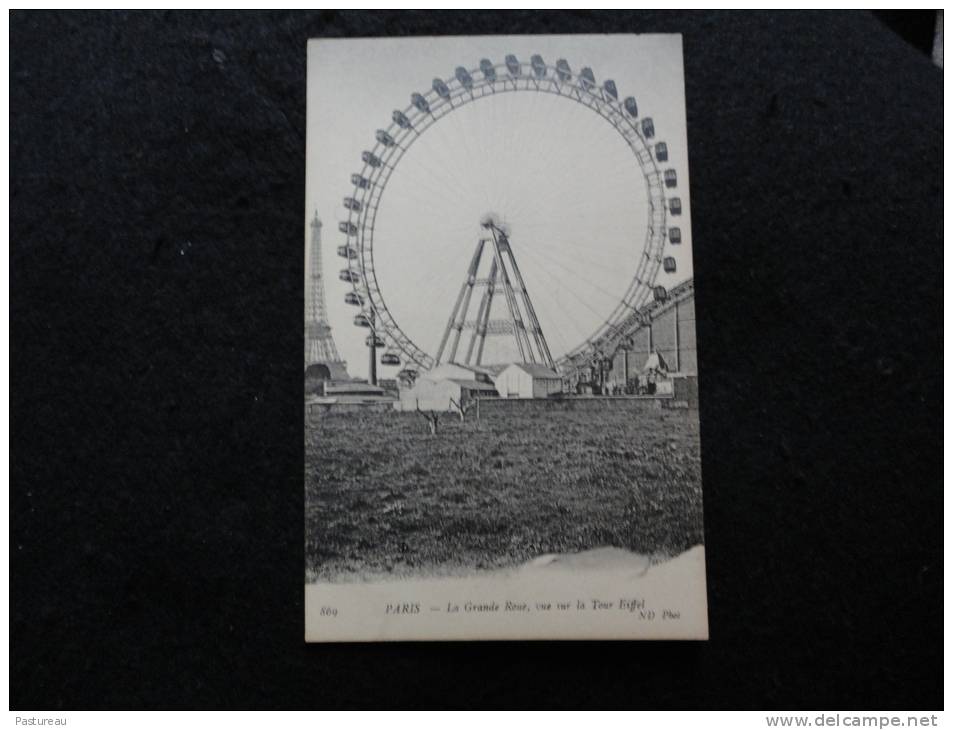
522	323
319	345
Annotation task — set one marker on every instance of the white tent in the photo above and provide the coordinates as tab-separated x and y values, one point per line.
656	372
439	388
655	363
527	380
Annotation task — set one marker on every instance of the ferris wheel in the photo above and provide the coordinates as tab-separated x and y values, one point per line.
468	86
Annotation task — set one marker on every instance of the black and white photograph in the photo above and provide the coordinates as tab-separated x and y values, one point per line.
622	383
501	377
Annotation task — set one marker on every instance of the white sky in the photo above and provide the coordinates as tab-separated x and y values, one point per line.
562	178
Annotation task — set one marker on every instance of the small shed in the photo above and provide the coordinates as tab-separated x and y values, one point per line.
527	380
434	390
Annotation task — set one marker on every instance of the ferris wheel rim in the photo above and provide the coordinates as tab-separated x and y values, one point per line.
468	86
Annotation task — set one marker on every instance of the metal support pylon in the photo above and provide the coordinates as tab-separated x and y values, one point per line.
522	321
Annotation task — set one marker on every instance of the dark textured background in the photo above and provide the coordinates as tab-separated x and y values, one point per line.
156	344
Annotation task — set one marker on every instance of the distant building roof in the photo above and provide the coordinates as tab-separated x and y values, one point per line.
351	387
538	371
451	370
472	384
349	399
445	369
493	370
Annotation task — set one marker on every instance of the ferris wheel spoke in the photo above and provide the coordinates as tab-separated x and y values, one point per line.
441	178
439	181
563	206
599	289
568	312
603	259
568	315
602	263
423	194
460	138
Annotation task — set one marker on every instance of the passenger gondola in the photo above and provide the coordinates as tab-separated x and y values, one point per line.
463	76
587	78
539	66
441	88
420	102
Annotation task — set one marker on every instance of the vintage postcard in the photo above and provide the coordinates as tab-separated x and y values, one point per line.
500	372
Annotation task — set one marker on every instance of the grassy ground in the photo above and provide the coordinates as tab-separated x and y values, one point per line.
385	497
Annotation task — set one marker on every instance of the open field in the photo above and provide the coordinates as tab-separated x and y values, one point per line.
383	497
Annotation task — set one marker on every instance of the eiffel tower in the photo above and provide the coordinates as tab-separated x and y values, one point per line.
319	345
